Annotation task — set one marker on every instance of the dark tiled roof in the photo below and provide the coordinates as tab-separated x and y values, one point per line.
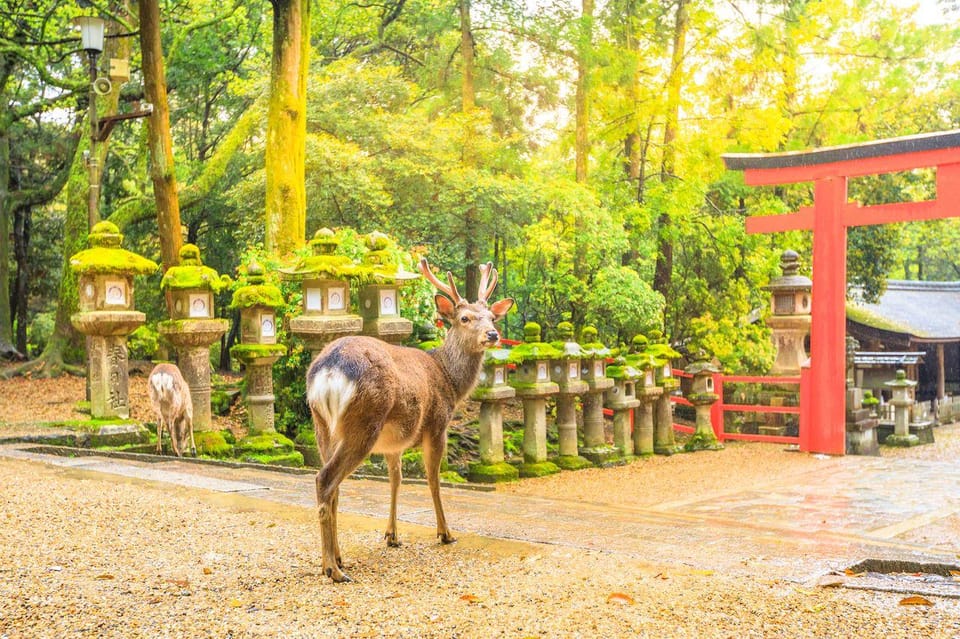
926	310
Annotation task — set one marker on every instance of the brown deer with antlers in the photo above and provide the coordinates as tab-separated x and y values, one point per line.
368	396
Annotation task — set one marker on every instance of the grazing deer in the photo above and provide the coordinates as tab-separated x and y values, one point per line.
170	397
368	396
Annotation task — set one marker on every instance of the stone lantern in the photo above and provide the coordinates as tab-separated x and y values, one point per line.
380	297
622	399
325	279
492	391
593	370
191	330
566	372
902	399
647	392
790	318
106	316
702	396
533	385
664	442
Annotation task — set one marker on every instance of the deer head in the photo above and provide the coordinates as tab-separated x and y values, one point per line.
471	324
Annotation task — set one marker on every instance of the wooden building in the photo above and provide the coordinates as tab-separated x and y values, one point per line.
914	317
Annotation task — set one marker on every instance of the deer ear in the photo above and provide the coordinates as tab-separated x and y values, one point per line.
501	308
444	306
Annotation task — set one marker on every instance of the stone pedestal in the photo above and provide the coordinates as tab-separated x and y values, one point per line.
192	339
643	420
570	386
107	358
316	331
258	361
492	391
664	442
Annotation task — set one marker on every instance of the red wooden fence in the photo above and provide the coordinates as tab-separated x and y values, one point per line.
721	407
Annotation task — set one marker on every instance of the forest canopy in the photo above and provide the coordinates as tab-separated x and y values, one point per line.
575	145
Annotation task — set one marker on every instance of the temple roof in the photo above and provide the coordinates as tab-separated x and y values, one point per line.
927	311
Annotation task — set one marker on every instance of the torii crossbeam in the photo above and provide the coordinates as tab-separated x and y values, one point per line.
828	218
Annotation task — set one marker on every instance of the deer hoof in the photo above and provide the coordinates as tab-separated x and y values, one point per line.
446	538
392	540
337	575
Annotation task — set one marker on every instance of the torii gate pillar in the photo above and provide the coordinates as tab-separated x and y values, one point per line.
822	427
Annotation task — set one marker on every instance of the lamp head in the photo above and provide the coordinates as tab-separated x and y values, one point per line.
91	33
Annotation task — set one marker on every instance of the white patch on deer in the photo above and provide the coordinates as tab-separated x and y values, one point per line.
330	394
163	383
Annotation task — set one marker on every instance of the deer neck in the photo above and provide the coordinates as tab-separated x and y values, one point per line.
460	366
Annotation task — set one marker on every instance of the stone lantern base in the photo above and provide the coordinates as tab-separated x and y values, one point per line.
492	473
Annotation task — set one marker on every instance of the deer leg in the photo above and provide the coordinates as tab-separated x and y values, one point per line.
394	470
160	429
432	456
343	459
193	443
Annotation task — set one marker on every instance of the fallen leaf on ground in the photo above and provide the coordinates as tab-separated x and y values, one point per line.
850	573
915	600
831	581
103	577
207	571
470	598
620	598
235	603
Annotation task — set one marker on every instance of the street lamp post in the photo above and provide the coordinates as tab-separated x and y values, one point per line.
91	38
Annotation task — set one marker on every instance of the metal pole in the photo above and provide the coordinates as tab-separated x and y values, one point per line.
93	161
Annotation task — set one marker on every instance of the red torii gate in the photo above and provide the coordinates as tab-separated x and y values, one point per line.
823	429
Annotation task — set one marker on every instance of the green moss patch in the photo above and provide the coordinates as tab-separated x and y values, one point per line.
492	473
572	462
538	469
212	443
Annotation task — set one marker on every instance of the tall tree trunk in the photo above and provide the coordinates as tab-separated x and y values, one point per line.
159	140
663	271
22	222
286	209
582	115
6	318
471	248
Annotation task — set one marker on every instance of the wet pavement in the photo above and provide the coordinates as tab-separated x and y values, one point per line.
846	511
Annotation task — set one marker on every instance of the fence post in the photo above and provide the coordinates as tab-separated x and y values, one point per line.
716	411
806	402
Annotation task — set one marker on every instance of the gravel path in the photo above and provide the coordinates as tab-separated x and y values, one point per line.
84	555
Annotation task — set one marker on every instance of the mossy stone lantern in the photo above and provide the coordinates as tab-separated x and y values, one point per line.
593	370
902	399
790	318
258	303
566	373
492	391
380	296
191	330
533	385
106	315
647	392
325	279
702	395
664	442
621	398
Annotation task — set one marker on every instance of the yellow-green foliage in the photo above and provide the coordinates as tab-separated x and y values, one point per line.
192	274
106	256
257	295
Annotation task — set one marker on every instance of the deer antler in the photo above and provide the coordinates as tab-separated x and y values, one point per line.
486	271
448	289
